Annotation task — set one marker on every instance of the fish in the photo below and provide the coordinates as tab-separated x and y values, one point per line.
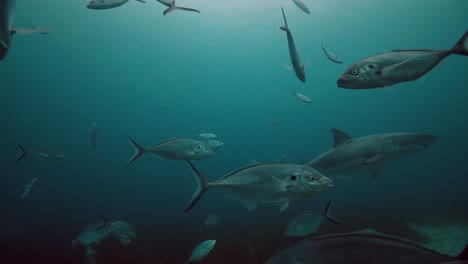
363	246
211	220
273	122
27	192
201	250
301	6
297	65
309	222
301	97
174	149
107	4
94	133
8	28
369	153
51	154
397	66
215	144
266	183
207	135
331	56
91	235
172	7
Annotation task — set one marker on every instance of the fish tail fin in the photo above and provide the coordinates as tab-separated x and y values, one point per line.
464	254
327	215
174	7
23	153
285	27
202	187
322	45
139	150
460	48
104	222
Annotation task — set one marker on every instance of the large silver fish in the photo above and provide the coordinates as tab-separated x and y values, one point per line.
276	184
370	152
172	7
301	6
107	4
397	66
293	53
364	247
7	26
175	149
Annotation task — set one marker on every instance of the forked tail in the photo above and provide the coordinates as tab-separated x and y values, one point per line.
461	47
202	187
139	150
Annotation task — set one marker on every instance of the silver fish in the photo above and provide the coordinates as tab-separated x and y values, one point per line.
8	29
331	56
174	149
276	184
370	152
202	250
27	191
91	236
397	66
301	97
302	6
107	4
51	154
364	247
94	143
309	222
293	53
207	135
172	7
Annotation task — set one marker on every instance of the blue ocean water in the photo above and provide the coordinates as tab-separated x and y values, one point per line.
135	72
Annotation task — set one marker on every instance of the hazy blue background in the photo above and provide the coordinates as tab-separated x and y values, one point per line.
135	72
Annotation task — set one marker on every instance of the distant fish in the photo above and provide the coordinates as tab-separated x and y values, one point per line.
174	149
301	97
211	220
172	6
302	6
107	4
91	236
331	56
308	223
94	134
7	26
365	247
275	184
124	231
215	144
48	154
273	122
27	191
201	251
207	135
396	66
293	53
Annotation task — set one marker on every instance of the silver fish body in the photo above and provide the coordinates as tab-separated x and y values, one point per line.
293	53
202	250
107	4
301	6
397	66
331	56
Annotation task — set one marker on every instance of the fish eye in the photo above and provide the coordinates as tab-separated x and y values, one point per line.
354	72
370	66
312	178
293	177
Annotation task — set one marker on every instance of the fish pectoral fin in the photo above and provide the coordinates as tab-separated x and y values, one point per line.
374	159
396	69
284	186
283	206
32	30
249	205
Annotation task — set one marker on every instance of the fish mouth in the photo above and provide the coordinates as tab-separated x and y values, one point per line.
341	83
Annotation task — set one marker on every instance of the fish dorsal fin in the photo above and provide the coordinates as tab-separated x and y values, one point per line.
339	137
283	206
243	168
166	141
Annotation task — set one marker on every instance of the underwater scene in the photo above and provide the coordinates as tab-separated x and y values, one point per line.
233	132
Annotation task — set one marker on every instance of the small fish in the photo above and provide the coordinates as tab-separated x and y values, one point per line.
301	97
365	246
49	154
172	7
302	6
107	4
94	134
27	191
276	184
207	135
386	69
215	144
293	53
273	122
308	223
211	220
174	149
331	56
201	250
8	29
